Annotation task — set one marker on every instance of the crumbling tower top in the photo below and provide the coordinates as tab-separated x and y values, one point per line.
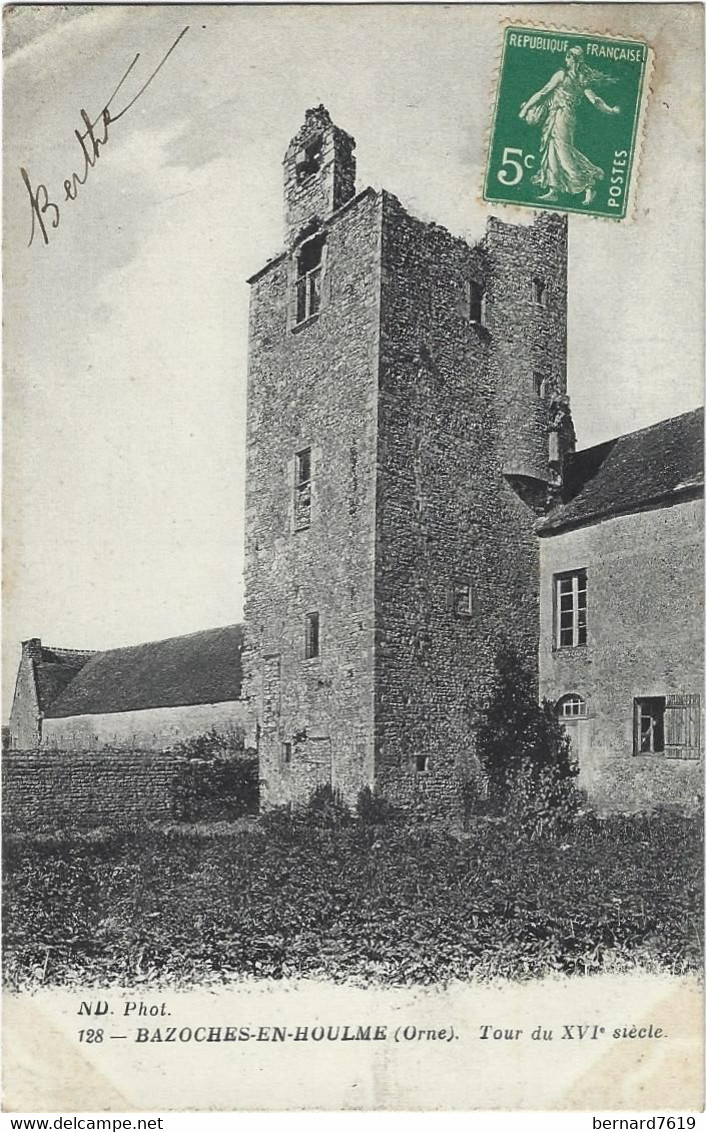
319	172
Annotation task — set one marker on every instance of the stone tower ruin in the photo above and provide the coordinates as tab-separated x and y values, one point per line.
406	393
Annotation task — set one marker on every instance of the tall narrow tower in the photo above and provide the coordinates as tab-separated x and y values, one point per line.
402	389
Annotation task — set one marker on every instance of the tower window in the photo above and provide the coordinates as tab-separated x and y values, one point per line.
539	292
571	590
462	598
311	636
286	753
302	489
308	161
539	382
308	282
474	302
421	763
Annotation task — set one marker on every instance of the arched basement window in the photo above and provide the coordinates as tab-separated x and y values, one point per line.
570	706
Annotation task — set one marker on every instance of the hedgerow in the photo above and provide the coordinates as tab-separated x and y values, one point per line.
353	900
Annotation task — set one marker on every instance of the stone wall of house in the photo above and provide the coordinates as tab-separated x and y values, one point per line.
313	385
645	638
51	790
456	401
24	725
153	729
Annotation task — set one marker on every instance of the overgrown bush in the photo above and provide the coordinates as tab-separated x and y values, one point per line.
326	808
217	780
373	809
541	802
526	753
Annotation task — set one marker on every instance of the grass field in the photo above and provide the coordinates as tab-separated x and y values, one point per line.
390	903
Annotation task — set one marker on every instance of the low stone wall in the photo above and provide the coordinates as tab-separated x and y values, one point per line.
47	790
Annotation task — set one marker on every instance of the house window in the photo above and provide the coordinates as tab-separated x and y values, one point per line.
570	706
302	489
421	763
539	382
462	598
648	730
286	753
474	302
539	292
308	281
571	609
669	725
311	636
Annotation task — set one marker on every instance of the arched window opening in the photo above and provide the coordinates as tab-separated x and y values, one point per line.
570	706
308	281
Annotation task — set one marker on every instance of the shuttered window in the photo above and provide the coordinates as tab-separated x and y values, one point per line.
682	727
668	725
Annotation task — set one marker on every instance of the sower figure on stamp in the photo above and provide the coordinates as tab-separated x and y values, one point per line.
562	167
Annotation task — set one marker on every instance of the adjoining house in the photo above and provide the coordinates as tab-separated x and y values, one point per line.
621	619
147	696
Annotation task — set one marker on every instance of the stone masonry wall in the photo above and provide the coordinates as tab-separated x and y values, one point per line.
314	385
456	399
645	638
528	337
45	791
24	714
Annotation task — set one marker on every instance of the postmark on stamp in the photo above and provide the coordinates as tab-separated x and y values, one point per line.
566	121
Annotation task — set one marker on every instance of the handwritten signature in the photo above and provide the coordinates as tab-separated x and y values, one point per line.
45	211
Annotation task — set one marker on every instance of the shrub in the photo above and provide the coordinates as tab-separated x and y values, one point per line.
541	801
326	808
526	753
373	809
218	779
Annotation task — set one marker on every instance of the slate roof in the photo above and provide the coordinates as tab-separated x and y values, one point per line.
201	668
631	473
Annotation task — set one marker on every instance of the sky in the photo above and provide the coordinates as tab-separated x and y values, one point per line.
125	338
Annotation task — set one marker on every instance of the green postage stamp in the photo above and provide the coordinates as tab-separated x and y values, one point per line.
566	121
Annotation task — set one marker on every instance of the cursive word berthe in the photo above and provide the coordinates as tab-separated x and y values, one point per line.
45	211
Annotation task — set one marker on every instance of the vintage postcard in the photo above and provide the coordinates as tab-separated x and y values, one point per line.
353	528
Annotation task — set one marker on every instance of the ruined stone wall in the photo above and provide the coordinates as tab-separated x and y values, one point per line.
44	791
645	638
313	385
455	398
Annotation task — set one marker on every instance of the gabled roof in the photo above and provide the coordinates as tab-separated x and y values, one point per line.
201	668
54	671
643	469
